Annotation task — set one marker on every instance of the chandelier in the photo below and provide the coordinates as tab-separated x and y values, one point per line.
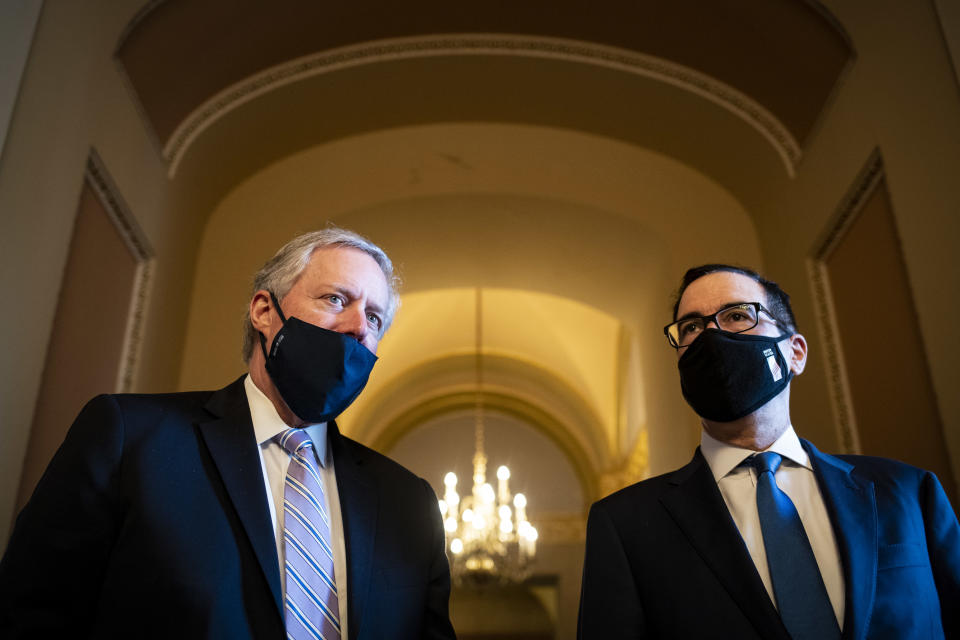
488	534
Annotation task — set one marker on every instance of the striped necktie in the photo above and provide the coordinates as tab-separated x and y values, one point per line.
801	595
311	605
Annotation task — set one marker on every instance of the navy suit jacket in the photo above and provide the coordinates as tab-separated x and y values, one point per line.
152	521
664	558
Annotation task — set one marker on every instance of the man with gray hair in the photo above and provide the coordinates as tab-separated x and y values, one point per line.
242	512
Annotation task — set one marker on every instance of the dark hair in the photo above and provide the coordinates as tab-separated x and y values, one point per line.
778	301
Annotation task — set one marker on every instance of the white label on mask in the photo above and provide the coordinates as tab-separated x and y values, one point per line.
772	363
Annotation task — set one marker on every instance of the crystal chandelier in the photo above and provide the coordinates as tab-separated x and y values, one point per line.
488	534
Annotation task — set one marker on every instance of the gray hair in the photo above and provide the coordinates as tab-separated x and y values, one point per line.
281	272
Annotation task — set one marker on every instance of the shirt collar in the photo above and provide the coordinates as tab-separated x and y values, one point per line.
723	458
267	423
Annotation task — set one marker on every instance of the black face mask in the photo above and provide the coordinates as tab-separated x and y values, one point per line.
318	372
726	376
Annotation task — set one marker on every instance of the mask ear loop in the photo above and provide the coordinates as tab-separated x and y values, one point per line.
276	303
283	319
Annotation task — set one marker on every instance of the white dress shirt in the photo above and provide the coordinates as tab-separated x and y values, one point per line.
274	461
738	485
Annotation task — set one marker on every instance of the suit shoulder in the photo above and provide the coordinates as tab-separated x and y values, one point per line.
383	466
141	410
161	400
881	471
876	467
648	490
891	477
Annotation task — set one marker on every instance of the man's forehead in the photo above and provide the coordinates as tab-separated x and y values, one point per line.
711	292
348	266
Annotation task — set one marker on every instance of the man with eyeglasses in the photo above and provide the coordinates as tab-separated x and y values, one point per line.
761	535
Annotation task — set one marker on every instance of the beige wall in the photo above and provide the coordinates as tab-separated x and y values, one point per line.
949	14
84	355
900	97
72	99
893	409
18	20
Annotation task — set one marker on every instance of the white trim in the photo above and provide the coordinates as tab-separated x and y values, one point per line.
707	87
136	242
841	399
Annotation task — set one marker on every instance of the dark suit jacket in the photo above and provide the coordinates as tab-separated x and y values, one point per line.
664	558
152	521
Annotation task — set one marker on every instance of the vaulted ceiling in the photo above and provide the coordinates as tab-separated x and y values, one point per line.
230	86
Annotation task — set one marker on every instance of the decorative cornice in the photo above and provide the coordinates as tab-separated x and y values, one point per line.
126	225
647	66
851	205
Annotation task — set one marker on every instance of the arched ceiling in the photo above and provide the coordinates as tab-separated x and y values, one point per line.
731	89
786	54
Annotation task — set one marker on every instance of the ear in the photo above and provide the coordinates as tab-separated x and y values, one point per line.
796	353
260	312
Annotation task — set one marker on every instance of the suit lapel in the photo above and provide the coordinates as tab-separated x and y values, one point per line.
230	439
696	505
358	507
852	505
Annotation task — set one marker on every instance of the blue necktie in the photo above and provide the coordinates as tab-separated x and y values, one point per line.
801	595
312	607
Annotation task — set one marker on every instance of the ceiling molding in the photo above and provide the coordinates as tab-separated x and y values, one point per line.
572	51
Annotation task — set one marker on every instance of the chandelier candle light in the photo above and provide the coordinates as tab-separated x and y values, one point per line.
489	541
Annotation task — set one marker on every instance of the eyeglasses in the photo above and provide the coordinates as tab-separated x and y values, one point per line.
736	318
